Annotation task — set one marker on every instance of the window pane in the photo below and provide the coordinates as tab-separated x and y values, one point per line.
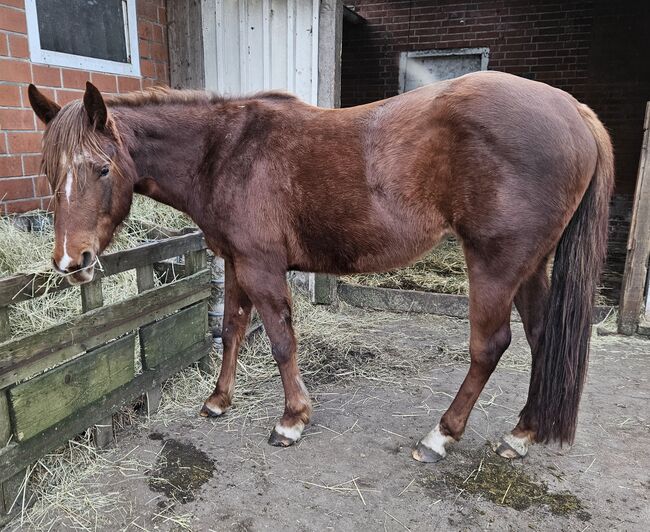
428	69
90	28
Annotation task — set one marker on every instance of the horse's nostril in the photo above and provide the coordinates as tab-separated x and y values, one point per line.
86	259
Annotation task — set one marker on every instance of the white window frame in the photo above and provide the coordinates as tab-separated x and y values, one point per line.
49	57
484	52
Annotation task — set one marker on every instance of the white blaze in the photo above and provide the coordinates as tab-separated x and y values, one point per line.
68	186
66	259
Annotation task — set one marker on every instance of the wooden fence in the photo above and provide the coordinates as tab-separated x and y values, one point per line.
58	382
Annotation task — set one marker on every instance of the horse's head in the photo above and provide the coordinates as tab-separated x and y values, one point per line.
91	175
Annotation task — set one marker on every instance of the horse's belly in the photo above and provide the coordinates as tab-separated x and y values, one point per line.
375	247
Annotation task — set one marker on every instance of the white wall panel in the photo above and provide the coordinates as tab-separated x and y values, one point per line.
254	45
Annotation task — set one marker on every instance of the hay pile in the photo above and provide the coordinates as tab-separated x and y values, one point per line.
443	270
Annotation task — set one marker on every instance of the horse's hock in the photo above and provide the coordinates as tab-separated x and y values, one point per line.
86	368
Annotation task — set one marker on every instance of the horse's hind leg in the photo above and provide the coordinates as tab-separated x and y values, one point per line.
270	294
491	294
236	314
530	301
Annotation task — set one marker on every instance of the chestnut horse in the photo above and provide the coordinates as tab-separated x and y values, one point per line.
517	170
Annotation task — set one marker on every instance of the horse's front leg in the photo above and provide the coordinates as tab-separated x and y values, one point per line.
270	294
236	315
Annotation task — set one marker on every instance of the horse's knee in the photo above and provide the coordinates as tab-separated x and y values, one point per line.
283	350
487	352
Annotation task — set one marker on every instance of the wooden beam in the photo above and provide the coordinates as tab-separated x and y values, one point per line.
16	456
21	287
24	357
47	399
415	301
638	244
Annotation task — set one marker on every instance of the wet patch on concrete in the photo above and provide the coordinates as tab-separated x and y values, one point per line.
181	470
506	484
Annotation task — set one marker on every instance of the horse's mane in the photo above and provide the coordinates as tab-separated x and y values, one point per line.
71	133
164	95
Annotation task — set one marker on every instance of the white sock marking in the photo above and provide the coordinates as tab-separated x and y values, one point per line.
215	410
292	433
436	441
518	444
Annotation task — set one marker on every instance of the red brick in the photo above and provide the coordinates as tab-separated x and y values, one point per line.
13	3
31	164
9	96
14	70
18	46
46	75
75	79
157	34
145	29
127	84
66	96
24	142
21	119
4	47
158	52
147	68
16	188
162	16
104	82
144	47
22	206
41	186
147	10
3	142
10	166
12	20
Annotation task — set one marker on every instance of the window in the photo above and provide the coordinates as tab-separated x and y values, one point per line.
88	34
426	66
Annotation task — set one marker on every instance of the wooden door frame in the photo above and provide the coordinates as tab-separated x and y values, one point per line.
635	277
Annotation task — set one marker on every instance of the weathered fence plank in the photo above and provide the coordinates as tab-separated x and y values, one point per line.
27	356
16	456
169	336
21	287
47	399
394	300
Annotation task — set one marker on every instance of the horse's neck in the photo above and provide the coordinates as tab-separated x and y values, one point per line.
166	150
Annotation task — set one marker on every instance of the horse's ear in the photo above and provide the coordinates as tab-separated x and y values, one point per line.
95	106
44	108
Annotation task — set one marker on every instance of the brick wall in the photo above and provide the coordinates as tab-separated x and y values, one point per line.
594	49
21	186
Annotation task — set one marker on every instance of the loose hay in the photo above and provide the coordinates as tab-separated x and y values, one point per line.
442	270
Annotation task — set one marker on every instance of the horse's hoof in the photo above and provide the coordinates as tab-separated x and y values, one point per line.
423	454
278	440
512	448
206	411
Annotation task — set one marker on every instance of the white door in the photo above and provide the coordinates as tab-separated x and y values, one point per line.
257	45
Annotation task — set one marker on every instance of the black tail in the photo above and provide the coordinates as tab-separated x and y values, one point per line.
563	350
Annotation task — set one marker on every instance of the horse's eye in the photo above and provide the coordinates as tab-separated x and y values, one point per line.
104	171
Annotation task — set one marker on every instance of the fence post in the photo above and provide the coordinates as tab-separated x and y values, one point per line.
10	488
145	281
92	297
195	261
